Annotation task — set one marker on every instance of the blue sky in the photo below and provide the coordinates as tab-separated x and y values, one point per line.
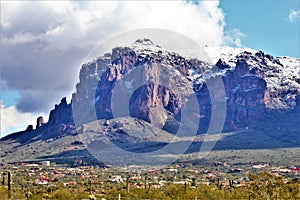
265	23
9	97
44	43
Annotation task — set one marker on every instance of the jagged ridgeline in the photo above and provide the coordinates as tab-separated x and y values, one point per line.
255	84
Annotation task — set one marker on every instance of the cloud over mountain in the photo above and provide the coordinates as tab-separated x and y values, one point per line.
13	120
44	43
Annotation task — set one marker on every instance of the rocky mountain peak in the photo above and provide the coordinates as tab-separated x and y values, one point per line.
253	80
148	86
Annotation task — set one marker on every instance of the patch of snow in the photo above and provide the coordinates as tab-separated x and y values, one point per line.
193	74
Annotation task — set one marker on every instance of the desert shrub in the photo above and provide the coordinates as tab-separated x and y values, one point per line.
62	194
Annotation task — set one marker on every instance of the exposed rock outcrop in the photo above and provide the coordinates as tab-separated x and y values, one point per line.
40	122
153	94
245	91
83	101
61	114
151	101
29	128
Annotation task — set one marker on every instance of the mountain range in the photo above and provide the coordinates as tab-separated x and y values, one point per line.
153	102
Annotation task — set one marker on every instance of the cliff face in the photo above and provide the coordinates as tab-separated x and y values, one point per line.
246	94
123	60
84	99
152	85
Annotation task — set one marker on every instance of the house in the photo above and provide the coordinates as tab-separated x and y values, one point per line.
116	179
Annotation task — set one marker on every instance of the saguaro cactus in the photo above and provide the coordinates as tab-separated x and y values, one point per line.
3	180
127	184
9	184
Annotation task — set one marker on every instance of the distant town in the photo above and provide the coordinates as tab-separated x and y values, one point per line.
46	180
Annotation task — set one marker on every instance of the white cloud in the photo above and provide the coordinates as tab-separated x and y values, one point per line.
12	120
44	42
294	15
19	38
234	38
69	24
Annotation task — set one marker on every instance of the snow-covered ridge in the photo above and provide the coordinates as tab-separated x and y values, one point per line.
227	54
290	63
279	73
286	67
282	74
